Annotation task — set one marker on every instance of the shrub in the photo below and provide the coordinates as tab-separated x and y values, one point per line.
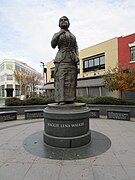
80	99
13	101
30	101
106	100
38	101
88	100
33	101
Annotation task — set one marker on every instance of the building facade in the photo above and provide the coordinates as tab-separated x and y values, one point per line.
94	61
9	87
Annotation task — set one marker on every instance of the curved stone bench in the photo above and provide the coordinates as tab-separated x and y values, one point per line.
94	113
8	116
34	114
118	114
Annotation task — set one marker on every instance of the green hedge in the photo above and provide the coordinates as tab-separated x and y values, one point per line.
106	100
46	100
13	101
30	101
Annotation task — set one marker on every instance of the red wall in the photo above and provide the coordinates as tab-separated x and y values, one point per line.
124	50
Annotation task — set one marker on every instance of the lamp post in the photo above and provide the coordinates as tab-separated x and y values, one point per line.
43	65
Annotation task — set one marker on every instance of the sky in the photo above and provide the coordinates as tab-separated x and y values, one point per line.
27	26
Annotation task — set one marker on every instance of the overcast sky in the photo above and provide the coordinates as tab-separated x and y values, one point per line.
27	26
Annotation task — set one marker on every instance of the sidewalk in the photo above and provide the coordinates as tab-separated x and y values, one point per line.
110	156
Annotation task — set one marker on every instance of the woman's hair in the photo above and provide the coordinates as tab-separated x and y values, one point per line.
66	18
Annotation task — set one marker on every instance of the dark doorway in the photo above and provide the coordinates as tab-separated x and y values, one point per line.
9	92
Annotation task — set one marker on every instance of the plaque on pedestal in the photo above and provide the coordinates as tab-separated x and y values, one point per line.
66	125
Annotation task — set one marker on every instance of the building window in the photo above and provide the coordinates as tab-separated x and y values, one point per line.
2	67
2	90
94	63
2	78
17	90
132	53
93	91
9	66
17	67
52	72
9	77
78	67
86	63
23	70
91	63
9	86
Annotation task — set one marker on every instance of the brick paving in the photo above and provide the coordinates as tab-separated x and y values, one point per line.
116	163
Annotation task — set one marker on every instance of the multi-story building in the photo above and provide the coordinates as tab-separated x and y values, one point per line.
8	85
94	61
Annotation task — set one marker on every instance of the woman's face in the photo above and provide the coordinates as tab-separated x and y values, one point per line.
64	23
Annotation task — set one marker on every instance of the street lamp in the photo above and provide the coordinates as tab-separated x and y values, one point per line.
44	71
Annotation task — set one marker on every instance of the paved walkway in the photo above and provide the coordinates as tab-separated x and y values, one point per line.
116	162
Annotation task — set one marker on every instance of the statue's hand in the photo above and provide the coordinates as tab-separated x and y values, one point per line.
62	31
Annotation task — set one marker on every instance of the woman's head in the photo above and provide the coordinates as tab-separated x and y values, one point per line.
64	22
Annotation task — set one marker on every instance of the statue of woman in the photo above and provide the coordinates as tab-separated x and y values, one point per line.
65	76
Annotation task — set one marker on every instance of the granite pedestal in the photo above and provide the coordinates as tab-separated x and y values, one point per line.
67	125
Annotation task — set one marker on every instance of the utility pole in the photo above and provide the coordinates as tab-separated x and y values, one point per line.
44	71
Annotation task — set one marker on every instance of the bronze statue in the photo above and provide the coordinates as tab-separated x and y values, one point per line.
65	76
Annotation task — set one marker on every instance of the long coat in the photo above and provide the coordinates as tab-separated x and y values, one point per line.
65	66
